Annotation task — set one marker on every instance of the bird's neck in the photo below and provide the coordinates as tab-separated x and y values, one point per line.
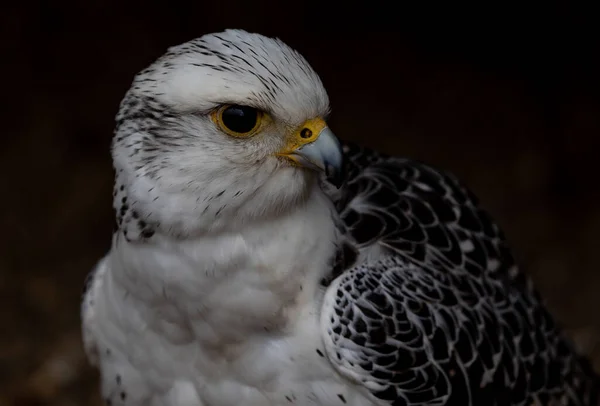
228	286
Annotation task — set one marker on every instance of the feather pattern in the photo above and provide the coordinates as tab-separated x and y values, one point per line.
441	315
396	289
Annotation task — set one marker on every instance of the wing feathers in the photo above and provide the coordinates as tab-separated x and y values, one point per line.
444	316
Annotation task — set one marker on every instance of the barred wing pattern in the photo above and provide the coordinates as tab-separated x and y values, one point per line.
435	311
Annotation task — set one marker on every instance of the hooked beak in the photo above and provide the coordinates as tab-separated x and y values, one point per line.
323	154
321	151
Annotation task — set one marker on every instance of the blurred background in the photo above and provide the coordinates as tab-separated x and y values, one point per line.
506	97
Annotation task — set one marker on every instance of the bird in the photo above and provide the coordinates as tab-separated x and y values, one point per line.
260	260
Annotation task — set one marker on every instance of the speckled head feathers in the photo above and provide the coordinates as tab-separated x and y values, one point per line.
176	172
236	67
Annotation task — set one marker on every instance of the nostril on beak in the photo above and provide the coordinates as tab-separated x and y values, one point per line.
306	133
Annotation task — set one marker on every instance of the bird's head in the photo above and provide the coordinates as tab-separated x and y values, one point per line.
220	130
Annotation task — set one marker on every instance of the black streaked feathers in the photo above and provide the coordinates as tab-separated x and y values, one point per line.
444	317
440	314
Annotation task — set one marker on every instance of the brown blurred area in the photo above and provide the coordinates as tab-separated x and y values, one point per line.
507	98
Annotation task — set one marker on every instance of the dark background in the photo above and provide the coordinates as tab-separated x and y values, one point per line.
507	97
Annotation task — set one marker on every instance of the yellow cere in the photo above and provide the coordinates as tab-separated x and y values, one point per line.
305	134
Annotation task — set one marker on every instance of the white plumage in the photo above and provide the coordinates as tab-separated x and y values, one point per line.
238	276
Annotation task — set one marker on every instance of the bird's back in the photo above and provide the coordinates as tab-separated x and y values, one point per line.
430	305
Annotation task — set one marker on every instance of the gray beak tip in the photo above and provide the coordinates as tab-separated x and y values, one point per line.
335	176
324	154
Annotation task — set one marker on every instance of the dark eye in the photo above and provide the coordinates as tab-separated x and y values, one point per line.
238	120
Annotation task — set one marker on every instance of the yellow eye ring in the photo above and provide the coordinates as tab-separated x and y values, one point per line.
237	120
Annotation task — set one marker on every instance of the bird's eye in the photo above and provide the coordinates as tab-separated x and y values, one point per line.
238	121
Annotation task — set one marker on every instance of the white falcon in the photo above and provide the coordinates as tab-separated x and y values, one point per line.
258	261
